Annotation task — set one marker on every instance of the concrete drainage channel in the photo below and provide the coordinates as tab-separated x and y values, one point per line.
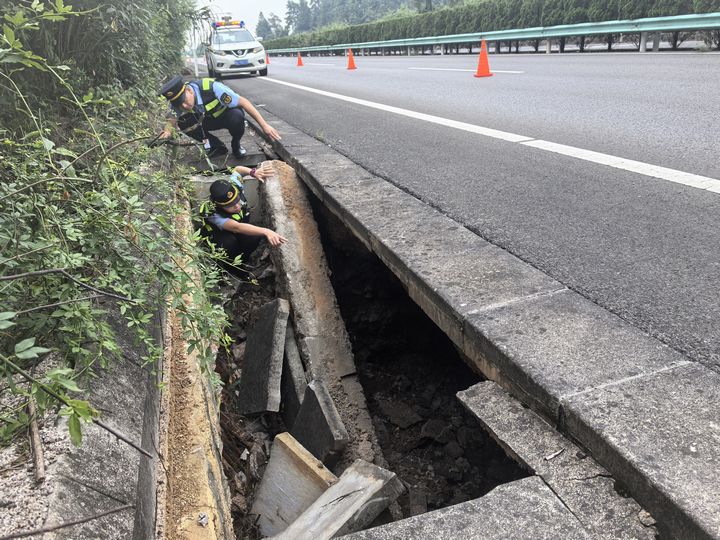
646	413
401	439
412	436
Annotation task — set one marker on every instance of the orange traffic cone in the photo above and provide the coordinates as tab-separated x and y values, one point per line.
483	69
300	62
351	60
267	59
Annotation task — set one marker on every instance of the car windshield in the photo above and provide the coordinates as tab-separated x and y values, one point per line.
232	36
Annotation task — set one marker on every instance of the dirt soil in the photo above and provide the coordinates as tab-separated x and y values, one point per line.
194	493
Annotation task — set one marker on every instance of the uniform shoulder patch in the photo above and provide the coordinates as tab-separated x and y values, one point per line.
226	98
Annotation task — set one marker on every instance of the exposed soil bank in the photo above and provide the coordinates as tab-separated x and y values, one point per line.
410	372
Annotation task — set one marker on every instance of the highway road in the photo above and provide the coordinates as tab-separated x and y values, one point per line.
581	165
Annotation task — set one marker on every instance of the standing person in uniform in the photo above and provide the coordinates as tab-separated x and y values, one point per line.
228	226
206	105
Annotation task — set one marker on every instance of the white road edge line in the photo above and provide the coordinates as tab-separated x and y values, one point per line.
646	169
457	69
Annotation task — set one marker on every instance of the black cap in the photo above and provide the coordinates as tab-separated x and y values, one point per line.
173	90
223	192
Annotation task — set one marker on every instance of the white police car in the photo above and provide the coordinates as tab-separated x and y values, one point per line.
233	49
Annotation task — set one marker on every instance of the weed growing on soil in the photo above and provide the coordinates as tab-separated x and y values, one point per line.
87	231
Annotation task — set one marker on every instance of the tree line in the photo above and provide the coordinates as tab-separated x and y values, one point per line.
304	16
486	16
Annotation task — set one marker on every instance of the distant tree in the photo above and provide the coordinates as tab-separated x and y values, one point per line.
317	13
422	6
600	10
530	14
348	21
663	8
298	17
278	30
263	28
709	6
706	6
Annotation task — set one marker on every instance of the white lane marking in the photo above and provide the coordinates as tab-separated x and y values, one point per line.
511	137
646	169
454	69
317	64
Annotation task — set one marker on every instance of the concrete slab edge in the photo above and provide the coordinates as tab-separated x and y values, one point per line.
494	358
322	340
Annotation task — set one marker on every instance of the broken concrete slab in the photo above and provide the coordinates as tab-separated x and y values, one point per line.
522	510
293	382
550	347
322	338
259	389
660	434
318	426
293	480
584	487
363	491
324	349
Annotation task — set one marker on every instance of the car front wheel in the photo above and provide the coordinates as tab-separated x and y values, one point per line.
263	72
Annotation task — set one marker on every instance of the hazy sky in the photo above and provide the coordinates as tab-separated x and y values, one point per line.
247	10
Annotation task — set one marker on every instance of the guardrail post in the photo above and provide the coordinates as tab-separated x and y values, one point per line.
656	42
643	41
548	46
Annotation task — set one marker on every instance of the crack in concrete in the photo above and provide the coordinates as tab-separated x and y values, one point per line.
610	384
92	488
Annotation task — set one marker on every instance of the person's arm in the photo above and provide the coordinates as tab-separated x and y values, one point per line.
230	98
252	111
261	173
273	238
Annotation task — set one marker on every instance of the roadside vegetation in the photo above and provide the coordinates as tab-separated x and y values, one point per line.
87	237
419	19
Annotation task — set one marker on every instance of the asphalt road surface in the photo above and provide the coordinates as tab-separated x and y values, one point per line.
630	235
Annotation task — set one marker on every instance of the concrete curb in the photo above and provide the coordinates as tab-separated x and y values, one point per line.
601	380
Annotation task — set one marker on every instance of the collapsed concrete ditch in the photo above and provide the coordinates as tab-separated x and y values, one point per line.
438	454
350	424
345	411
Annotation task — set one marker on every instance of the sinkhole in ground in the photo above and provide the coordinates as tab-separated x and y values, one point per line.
410	372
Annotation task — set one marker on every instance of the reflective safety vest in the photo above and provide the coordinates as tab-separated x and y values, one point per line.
212	104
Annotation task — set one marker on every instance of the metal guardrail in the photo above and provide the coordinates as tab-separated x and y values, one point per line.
703	21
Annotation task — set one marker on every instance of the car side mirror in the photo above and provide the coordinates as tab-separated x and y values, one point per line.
259	39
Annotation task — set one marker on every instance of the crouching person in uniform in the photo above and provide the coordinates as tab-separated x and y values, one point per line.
228	225
199	107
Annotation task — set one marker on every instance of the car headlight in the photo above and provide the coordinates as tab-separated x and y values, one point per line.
257	49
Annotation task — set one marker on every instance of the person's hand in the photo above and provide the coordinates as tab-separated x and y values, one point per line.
165	134
273	238
271	132
264	171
